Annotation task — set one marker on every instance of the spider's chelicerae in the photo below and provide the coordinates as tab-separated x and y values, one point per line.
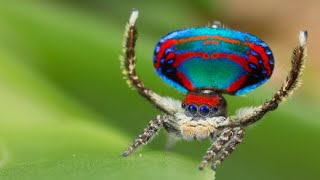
204	63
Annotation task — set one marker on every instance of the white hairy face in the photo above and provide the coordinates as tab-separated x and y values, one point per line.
198	128
192	127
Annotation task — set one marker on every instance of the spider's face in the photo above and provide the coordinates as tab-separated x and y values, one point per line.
203	103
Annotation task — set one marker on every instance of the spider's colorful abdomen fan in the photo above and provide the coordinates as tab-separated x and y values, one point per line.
222	59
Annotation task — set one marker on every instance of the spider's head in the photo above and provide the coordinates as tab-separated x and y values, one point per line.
204	103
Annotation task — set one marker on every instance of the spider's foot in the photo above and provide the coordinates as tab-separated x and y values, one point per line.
127	152
215	165
214	168
202	165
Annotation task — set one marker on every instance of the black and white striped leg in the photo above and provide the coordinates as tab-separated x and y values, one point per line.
221	139
128	59
238	134
149	132
128	65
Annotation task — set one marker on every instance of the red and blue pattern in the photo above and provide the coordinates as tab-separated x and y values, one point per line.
221	59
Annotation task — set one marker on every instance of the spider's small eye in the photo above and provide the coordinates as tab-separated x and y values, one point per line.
192	109
215	109
183	105
204	110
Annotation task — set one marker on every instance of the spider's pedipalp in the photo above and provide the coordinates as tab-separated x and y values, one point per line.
127	62
290	84
172	139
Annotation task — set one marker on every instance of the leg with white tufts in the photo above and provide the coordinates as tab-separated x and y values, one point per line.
147	134
251	115
128	65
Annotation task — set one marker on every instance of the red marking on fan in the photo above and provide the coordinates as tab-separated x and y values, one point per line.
215	42
237	84
170	56
179	58
167	44
206	42
260	50
185	81
184	56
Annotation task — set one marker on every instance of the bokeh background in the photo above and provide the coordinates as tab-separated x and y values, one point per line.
66	112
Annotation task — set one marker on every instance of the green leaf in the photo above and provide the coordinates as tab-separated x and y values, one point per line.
147	166
44	141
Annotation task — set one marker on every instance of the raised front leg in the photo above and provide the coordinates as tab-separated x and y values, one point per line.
128	65
149	132
247	116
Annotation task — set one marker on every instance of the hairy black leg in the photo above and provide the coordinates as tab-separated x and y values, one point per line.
153	127
238	134
128	61
290	84
128	66
217	145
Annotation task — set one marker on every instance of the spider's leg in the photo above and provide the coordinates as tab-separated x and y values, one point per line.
217	145
248	116
149	132
238	134
128	66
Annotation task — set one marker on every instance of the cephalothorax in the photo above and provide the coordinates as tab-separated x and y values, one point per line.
204	63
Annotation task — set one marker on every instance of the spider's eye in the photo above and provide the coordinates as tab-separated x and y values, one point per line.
183	105
192	109
204	110
215	109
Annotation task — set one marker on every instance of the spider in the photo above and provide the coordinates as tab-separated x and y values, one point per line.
204	63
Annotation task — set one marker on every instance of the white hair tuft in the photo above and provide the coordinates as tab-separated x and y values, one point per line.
303	38
244	112
133	17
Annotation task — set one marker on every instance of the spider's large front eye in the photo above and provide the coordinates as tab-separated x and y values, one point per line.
204	110
192	109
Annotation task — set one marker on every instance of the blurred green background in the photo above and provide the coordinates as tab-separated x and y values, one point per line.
66	112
